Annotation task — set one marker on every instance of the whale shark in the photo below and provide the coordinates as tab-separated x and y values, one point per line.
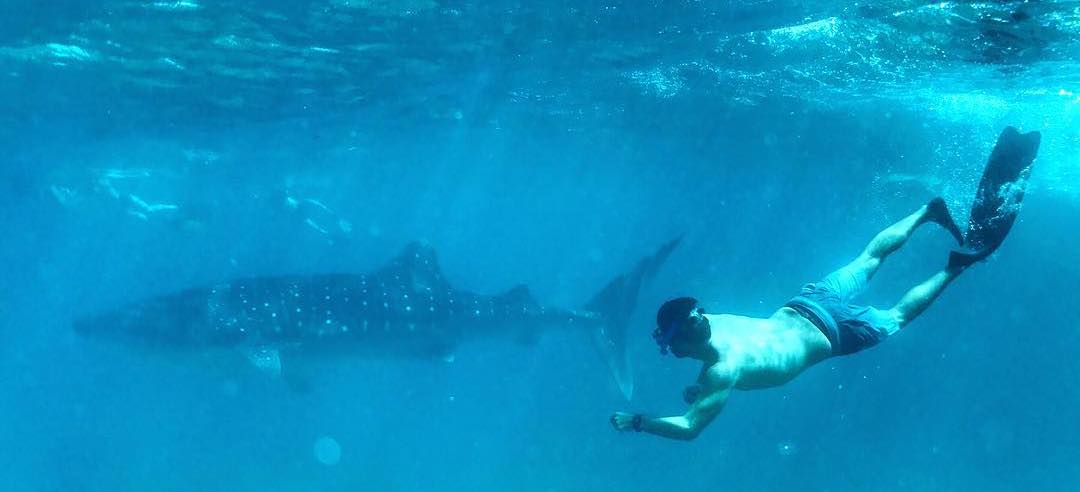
406	307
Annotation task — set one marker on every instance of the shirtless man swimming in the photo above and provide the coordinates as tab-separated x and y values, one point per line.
747	353
743	353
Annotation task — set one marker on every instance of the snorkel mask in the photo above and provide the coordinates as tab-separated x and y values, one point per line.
663	336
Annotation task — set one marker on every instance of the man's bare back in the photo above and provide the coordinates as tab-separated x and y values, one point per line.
761	353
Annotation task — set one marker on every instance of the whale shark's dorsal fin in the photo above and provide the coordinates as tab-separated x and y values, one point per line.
417	261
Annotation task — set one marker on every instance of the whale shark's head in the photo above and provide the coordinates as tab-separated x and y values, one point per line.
154	323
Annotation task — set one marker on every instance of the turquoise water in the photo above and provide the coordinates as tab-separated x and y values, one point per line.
155	146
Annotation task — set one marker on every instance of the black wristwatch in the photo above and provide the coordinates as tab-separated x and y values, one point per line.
636	422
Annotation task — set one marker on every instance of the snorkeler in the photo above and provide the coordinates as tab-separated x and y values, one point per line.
314	215
743	353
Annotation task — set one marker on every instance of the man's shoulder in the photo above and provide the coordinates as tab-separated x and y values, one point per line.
718	375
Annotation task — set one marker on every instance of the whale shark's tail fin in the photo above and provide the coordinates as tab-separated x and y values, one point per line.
614	304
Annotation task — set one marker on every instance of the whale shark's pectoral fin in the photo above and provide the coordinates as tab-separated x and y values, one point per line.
266	359
272	362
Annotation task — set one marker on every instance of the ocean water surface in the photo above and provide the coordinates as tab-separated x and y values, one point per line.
154	146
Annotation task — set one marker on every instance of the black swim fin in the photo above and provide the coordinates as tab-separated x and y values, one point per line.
997	202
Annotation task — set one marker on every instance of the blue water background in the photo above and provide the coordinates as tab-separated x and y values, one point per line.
551	146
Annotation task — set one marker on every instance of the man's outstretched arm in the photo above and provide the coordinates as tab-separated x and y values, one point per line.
684	427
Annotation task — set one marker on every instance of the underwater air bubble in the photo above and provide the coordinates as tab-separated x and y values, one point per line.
327	451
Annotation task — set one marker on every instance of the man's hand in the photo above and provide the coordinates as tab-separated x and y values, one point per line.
623	421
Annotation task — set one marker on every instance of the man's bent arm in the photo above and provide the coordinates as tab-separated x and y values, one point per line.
687	427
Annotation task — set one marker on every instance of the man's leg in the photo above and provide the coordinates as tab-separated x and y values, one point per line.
921	296
892	238
884	243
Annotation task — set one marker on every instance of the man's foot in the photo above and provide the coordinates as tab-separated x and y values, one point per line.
938	212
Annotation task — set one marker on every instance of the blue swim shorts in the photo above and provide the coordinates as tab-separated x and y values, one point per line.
850	328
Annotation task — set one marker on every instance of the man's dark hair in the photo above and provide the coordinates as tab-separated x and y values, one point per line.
675	311
669	320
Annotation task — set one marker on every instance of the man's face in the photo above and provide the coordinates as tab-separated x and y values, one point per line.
694	333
